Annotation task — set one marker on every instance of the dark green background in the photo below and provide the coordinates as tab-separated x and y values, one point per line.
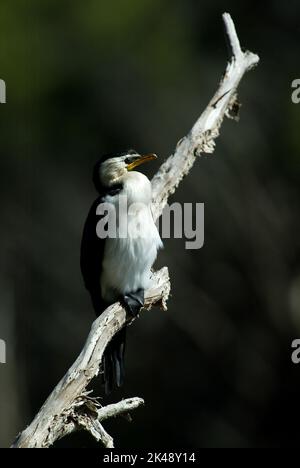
86	78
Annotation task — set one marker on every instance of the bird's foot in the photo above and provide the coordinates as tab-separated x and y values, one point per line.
133	302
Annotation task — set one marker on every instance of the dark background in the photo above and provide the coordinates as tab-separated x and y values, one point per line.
86	78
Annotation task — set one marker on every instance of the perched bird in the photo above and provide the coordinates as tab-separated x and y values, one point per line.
118	267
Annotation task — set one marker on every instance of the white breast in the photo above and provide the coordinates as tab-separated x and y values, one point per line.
127	261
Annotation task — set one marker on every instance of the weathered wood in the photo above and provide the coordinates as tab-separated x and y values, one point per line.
69	407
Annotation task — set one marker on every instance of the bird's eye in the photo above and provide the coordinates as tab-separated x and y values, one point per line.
127	161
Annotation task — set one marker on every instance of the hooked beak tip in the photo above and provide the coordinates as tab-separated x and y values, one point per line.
141	160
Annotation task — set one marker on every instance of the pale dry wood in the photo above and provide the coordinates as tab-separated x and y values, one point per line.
57	417
69	407
88	414
201	138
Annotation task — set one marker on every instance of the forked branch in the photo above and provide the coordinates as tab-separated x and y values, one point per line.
69	407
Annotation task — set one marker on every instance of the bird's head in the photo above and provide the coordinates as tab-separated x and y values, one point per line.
113	168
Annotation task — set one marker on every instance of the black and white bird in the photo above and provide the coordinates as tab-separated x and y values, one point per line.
118	267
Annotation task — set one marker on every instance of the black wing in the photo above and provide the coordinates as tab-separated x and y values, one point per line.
91	257
92	251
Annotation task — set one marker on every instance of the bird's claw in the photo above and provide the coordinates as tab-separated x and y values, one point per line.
133	303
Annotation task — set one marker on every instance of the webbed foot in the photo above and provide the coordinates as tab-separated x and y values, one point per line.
133	302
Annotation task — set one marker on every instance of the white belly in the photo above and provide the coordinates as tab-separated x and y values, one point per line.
127	261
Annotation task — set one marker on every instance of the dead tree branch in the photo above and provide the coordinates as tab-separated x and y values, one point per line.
201	138
69	407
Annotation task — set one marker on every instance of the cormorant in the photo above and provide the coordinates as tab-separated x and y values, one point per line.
118	267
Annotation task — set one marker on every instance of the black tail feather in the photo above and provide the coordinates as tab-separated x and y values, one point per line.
113	362
113	358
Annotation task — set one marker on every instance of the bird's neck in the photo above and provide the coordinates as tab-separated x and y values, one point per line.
109	178
137	188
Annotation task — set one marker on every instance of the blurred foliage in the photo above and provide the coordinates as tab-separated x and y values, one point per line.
85	78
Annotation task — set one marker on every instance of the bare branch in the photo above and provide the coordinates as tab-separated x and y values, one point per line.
232	36
117	409
59	414
69	407
94	426
201	138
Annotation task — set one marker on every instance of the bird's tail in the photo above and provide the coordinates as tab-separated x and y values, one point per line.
113	362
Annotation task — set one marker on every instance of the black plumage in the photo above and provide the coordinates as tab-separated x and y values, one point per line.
122	271
91	258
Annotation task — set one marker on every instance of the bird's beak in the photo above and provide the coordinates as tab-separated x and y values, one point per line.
141	160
